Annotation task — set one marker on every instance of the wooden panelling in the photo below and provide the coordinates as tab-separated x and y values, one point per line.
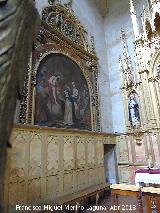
46	163
138	149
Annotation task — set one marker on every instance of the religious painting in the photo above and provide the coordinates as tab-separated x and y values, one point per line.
62	94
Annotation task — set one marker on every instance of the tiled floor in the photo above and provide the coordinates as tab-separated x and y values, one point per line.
126	205
107	205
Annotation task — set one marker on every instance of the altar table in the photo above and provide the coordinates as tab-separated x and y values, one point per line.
147	176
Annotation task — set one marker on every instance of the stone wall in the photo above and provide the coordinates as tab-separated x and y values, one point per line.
118	17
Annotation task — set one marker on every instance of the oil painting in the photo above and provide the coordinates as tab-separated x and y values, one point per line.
62	94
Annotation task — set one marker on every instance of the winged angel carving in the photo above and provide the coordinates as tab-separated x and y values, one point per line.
18	20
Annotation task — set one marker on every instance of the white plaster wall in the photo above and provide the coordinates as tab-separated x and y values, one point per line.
89	15
118	17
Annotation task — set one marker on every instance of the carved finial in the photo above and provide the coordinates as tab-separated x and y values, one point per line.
54	2
120	62
69	4
121	69
125	64
149	4
132	10
125	45
144	17
134	19
92	44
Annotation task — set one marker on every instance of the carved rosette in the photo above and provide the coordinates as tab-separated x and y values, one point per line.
61	32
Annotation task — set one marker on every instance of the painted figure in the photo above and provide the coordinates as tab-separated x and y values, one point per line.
53	104
53	80
134	116
75	99
68	114
84	100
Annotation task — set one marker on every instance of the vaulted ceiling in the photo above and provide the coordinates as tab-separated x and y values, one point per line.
102	6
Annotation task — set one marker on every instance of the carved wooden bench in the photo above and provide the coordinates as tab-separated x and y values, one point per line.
74	199
79	196
126	190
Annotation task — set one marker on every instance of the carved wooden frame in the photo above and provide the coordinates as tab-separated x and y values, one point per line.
51	40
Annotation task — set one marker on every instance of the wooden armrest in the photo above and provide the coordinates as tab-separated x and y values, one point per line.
151	190
126	187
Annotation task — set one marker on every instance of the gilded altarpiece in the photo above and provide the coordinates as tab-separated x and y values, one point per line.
61	35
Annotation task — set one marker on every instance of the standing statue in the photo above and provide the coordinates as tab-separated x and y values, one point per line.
18	20
134	116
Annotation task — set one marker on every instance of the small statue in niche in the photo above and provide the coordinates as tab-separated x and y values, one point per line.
133	107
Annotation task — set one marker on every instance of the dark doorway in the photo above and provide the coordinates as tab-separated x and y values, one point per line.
110	163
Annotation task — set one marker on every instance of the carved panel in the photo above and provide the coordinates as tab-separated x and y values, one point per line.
34	190
52	153
100	174
82	181
68	182
52	183
18	159
100	152
16	193
132	170
35	155
91	152
140	152
122	149
130	149
92	177
156	149
68	148
81	158
124	174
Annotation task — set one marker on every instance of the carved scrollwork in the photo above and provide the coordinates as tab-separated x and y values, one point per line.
59	17
23	104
